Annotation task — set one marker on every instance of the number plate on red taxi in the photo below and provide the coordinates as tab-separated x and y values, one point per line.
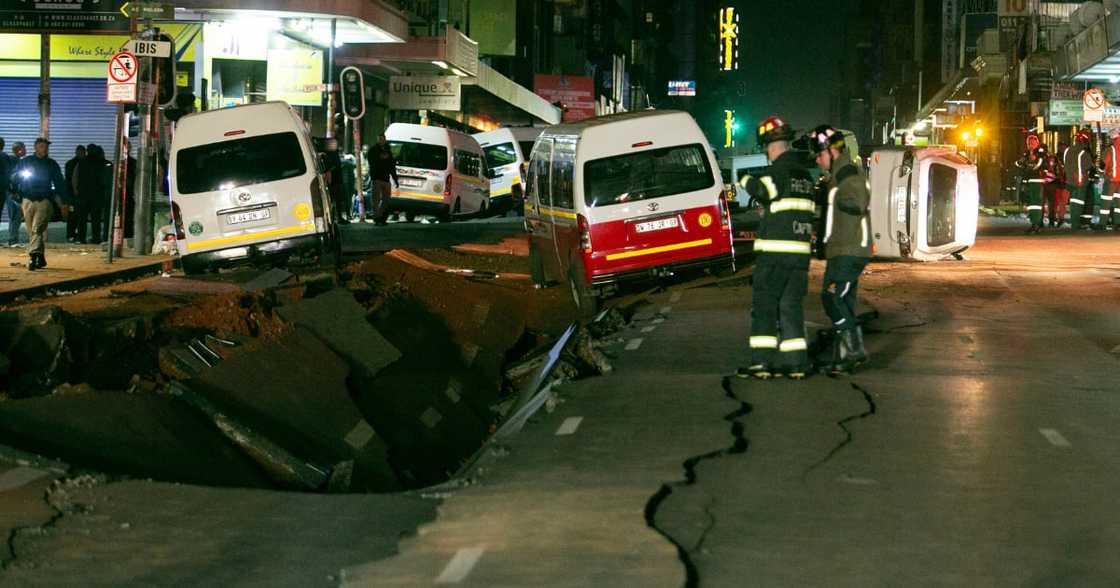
248	217
657	225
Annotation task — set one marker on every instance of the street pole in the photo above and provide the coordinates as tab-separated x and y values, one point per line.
45	86
141	219
354	124
116	227
330	80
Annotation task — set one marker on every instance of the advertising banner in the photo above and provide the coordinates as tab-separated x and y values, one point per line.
63	16
291	72
1065	113
576	94
425	93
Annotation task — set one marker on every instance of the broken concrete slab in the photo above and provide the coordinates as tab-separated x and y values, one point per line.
270	279
294	394
339	320
35	343
128	434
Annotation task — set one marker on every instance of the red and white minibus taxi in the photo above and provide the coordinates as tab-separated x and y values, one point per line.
622	197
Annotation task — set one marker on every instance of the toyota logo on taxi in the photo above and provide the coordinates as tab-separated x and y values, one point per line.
242	197
653	206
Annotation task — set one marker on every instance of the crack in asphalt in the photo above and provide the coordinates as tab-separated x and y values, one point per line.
843	424
15	533
739	446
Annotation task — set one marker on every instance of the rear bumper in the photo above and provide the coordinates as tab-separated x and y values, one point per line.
397	204
646	273
231	255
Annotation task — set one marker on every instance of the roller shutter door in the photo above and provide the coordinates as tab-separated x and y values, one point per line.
80	116
19	111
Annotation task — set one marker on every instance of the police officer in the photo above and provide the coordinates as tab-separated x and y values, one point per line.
1030	166
1078	165
781	272
39	180
847	244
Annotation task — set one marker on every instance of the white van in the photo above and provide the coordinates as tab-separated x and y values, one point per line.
624	197
925	202
441	171
245	184
507	150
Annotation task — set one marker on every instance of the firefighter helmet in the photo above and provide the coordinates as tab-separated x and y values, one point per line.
1084	136
1033	141
823	137
774	129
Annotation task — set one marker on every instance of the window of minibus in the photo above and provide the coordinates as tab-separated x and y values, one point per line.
500	155
467	163
647	174
420	155
941	206
240	162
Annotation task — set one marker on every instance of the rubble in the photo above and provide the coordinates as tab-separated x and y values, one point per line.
338	319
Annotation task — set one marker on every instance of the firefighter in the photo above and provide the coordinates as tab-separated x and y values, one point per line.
1051	172
781	275
1110	196
1061	193
847	243
1030	165
1078	165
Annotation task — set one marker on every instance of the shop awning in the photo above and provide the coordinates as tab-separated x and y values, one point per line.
368	21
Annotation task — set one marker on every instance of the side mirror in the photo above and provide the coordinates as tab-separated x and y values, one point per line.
490	173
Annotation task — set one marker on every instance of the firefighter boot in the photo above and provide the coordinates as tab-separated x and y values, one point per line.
32	263
859	352
756	371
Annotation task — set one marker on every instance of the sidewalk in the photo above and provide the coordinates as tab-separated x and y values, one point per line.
70	267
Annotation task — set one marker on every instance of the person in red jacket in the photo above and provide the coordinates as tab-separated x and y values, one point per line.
1110	197
1051	185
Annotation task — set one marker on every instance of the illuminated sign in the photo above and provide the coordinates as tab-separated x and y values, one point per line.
728	39
682	88
728	128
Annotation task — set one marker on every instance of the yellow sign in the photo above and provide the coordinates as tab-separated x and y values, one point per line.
291	72
705	220
23	47
182	80
729	39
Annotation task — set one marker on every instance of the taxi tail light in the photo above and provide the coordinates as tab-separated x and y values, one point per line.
724	211
177	220
584	233
316	198
447	186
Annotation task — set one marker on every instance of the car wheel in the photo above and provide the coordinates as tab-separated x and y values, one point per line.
192	266
587	304
410	217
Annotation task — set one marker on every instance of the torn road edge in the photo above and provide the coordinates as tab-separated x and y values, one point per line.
11	455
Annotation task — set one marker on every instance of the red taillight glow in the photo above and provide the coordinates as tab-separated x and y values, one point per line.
234	133
584	233
177	221
447	186
724	211
642	144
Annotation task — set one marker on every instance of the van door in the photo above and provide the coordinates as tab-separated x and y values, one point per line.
565	228
538	219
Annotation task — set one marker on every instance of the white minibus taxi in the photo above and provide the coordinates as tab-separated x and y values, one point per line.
507	149
245	184
441	171
623	197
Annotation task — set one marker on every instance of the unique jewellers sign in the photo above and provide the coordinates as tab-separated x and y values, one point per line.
425	93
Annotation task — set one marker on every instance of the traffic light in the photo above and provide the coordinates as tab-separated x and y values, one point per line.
729	127
353	93
165	68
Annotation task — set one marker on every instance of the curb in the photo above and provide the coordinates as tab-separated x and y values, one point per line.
83	283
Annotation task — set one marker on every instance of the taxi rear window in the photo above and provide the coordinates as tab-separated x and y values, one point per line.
239	162
646	174
419	155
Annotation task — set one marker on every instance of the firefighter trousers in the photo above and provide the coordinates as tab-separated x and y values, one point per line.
1080	205
1034	202
778	317
1114	191
841	287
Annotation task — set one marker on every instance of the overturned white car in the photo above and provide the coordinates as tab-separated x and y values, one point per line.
924	202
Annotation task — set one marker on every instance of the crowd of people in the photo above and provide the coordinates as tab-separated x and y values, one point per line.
1072	182
379	175
36	190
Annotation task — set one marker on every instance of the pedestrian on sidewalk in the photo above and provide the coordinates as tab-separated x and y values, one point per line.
12	204
1079	164
847	243
70	172
383	168
89	197
7	166
1030	165
1110	197
42	186
781	275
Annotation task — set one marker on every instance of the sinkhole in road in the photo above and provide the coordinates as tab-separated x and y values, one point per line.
380	378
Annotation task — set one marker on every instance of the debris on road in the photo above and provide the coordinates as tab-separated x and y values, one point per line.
337	318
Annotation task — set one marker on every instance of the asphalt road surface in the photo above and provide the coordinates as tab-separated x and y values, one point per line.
978	448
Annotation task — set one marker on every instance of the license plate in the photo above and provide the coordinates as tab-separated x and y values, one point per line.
657	225
412	182
248	217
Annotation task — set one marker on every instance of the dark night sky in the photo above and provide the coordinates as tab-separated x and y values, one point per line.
788	51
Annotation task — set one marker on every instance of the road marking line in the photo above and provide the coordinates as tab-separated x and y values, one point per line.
569	426
1055	438
20	476
649	329
634	344
675	298
666	309
460	565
